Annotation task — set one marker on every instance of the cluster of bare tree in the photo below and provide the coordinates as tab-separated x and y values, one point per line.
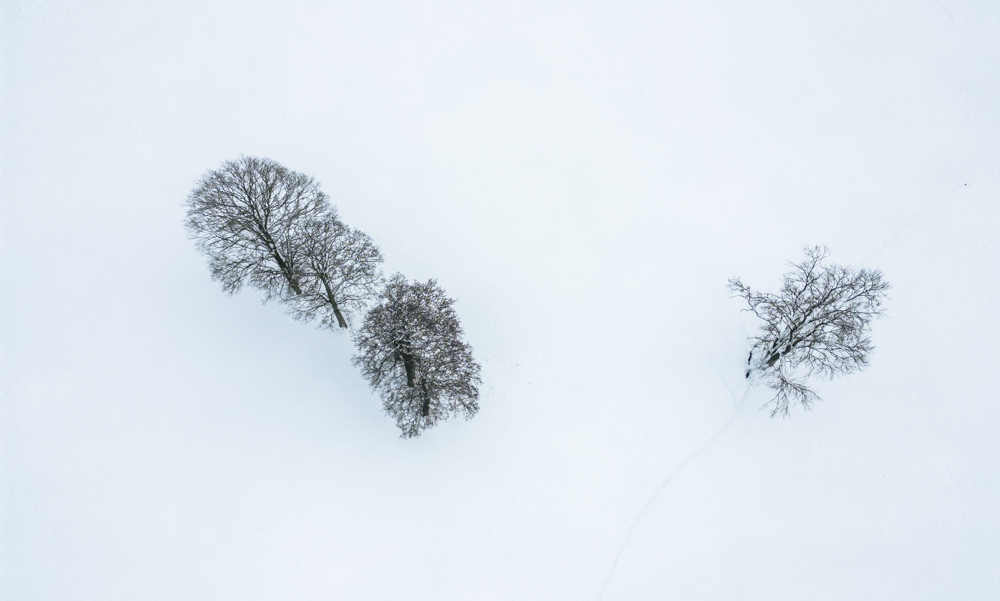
818	324
273	229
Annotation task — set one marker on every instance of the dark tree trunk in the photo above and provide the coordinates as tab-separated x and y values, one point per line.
775	355
425	406
340	317
292	280
333	303
410	369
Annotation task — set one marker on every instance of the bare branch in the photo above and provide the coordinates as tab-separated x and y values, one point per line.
817	325
342	269
245	216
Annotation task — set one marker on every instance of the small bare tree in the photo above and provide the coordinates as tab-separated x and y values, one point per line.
410	349
341	269
248	217
818	324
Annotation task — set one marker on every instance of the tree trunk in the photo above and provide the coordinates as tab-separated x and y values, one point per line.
265	236
410	369
425	406
775	355
333	303
292	280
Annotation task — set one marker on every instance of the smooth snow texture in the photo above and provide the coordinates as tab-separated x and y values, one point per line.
583	178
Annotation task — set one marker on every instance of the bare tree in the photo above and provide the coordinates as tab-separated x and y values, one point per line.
263	225
341	269
247	217
818	324
410	349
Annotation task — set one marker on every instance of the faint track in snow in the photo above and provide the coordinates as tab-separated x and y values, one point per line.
683	463
908	222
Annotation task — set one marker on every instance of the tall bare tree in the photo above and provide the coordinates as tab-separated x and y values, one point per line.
818	324
248	217
341	271
410	349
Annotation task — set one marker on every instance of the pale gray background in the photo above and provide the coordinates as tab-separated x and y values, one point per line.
583	177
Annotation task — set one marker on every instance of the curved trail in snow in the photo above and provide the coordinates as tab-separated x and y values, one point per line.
683	463
692	455
909	220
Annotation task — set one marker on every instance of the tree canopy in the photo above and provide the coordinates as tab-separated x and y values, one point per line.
818	324
247	217
410	349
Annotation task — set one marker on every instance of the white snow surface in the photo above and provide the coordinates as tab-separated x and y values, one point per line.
583	178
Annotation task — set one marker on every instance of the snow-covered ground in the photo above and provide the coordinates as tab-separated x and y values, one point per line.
584	179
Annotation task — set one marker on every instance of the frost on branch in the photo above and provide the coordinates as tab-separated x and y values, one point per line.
818	324
410	349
